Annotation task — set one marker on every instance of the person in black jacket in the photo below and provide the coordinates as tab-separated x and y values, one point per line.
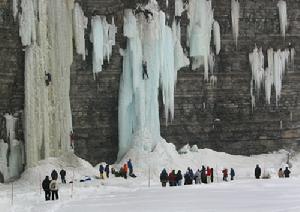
164	178
101	170
63	176
179	178
257	172
54	175
287	172
107	170
46	188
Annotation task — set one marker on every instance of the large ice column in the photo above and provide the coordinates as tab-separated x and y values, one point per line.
282	16
3	159
178	7
15	8
48	119
150	46
200	14
80	24
235	17
217	37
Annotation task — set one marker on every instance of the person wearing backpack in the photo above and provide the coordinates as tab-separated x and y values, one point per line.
54	189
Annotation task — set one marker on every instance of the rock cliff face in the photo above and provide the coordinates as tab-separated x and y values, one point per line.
218	117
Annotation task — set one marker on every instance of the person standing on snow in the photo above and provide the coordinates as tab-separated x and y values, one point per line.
203	175
257	172
172	178
212	175
163	178
287	172
46	188
101	170
225	174
197	177
54	175
125	169
107	170
280	173
179	178
232	174
54	189
130	167
208	174
63	176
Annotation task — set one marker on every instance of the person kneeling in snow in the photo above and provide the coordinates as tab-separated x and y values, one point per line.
164	178
54	189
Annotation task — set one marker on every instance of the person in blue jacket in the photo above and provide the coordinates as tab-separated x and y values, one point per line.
232	173
130	167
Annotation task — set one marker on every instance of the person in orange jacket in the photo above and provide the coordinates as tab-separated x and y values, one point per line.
125	168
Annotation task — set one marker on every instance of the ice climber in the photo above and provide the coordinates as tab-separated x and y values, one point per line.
63	176
46	188
257	172
145	71
48	79
164	178
287	172
101	170
54	189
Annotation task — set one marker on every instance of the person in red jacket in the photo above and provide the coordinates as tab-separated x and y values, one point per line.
172	178
225	174
125	169
208	174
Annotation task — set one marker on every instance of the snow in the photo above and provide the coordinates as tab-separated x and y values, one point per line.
133	194
282	17
235	16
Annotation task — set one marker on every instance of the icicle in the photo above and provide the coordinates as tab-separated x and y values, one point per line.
293	54
167	3
10	126
112	34
211	63
15	8
80	24
213	80
97	39
282	17
217	37
178	8
256	59
235	16
27	29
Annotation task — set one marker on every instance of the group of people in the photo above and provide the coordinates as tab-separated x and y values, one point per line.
50	187
126	169
281	174
205	175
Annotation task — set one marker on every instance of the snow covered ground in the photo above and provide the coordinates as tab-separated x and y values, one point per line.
117	194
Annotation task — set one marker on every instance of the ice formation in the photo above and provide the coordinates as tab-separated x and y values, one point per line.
153	43
200	14
15	8
12	152
48	58
103	38
217	37
178	8
271	76
235	16
282	17
80	24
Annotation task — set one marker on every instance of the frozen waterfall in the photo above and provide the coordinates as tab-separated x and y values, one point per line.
153	47
48	58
